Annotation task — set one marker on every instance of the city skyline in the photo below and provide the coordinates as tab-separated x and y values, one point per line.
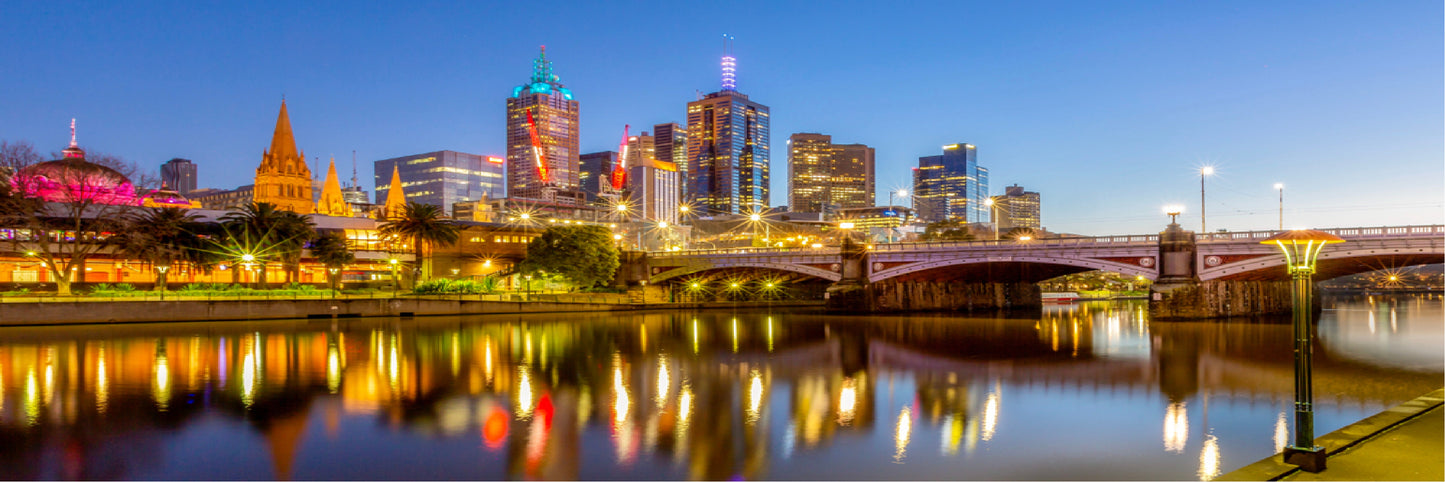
1107	110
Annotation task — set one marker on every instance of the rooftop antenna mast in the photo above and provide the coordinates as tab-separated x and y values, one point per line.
729	65
354	182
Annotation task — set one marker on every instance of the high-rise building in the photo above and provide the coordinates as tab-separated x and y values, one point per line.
824	177
442	178
179	175
727	149
542	155
652	185
951	186
1017	208
671	143
283	178
596	174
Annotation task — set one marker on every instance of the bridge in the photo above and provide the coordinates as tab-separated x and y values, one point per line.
1236	273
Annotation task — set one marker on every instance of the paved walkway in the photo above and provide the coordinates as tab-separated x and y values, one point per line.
1406	442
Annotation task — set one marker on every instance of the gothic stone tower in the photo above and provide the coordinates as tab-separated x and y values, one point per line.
283	178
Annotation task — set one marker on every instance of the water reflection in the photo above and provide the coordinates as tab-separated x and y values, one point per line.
697	395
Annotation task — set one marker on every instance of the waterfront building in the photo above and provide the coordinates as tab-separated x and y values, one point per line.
179	175
951	186
727	149
443	178
542	139
1017	208
671	146
825	177
283	178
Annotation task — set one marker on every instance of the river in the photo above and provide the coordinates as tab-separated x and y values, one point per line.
1084	391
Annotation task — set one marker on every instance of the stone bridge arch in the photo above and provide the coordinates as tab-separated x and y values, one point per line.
1044	267
667	273
1334	262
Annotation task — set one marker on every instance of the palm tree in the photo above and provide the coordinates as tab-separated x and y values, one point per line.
281	232
424	225
163	237
330	249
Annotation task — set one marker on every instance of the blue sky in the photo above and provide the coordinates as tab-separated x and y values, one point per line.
1106	108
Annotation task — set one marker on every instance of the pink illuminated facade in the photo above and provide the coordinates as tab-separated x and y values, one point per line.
73	179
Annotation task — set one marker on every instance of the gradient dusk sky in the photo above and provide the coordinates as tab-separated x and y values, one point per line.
1108	109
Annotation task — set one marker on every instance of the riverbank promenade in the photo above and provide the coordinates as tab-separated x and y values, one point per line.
1406	442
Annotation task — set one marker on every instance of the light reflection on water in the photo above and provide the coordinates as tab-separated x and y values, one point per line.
709	395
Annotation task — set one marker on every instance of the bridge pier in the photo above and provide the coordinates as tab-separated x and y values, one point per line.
898	296
1179	295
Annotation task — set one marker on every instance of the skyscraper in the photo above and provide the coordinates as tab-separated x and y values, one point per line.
651	184
1017	208
542	155
179	175
824	177
951	186
442	178
283	177
595	174
671	145
727	149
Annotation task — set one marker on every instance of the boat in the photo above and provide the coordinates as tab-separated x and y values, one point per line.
1061	297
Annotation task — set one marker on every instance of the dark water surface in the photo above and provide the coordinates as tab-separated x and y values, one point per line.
1089	391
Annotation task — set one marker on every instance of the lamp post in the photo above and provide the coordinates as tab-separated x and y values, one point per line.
754	219
395	280
901	193
162	269
1280	186
528	288
1301	250
992	214
1204	172
333	270
246	261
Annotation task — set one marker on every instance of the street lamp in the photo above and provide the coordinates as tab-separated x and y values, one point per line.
1173	210
618	238
163	269
528	288
1280	187
992	215
1301	249
395	280
334	286
1204	172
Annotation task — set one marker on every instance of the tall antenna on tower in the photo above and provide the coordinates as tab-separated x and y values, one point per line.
729	65
354	182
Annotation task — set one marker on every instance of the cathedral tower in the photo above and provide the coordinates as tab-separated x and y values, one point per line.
283	178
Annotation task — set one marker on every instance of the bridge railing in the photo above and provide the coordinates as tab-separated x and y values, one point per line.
1072	241
826	250
1347	233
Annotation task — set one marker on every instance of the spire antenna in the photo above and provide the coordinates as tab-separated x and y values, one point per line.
729	65
354	182
72	133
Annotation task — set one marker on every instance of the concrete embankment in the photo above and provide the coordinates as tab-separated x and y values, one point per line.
70	313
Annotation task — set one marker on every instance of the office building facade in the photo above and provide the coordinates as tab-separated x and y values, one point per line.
542	139
595	175
671	146
952	186
824	177
1018	208
727	150
179	175
443	178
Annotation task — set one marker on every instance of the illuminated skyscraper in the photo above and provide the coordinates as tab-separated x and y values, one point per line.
671	143
442	178
824	177
951	186
727	149
542	155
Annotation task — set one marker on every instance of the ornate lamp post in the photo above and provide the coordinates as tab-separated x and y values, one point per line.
1204	172
395	279
163	269
333	270
1301	249
992	215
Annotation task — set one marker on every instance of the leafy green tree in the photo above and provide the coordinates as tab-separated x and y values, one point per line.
948	230
166	237
585	255
424	226
273	233
330	249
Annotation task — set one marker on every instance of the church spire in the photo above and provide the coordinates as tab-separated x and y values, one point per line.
332	203
283	142
395	198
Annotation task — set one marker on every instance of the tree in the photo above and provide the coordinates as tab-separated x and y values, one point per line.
330	249
585	255
949	230
163	237
269	234
67	214
14	156
424	226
